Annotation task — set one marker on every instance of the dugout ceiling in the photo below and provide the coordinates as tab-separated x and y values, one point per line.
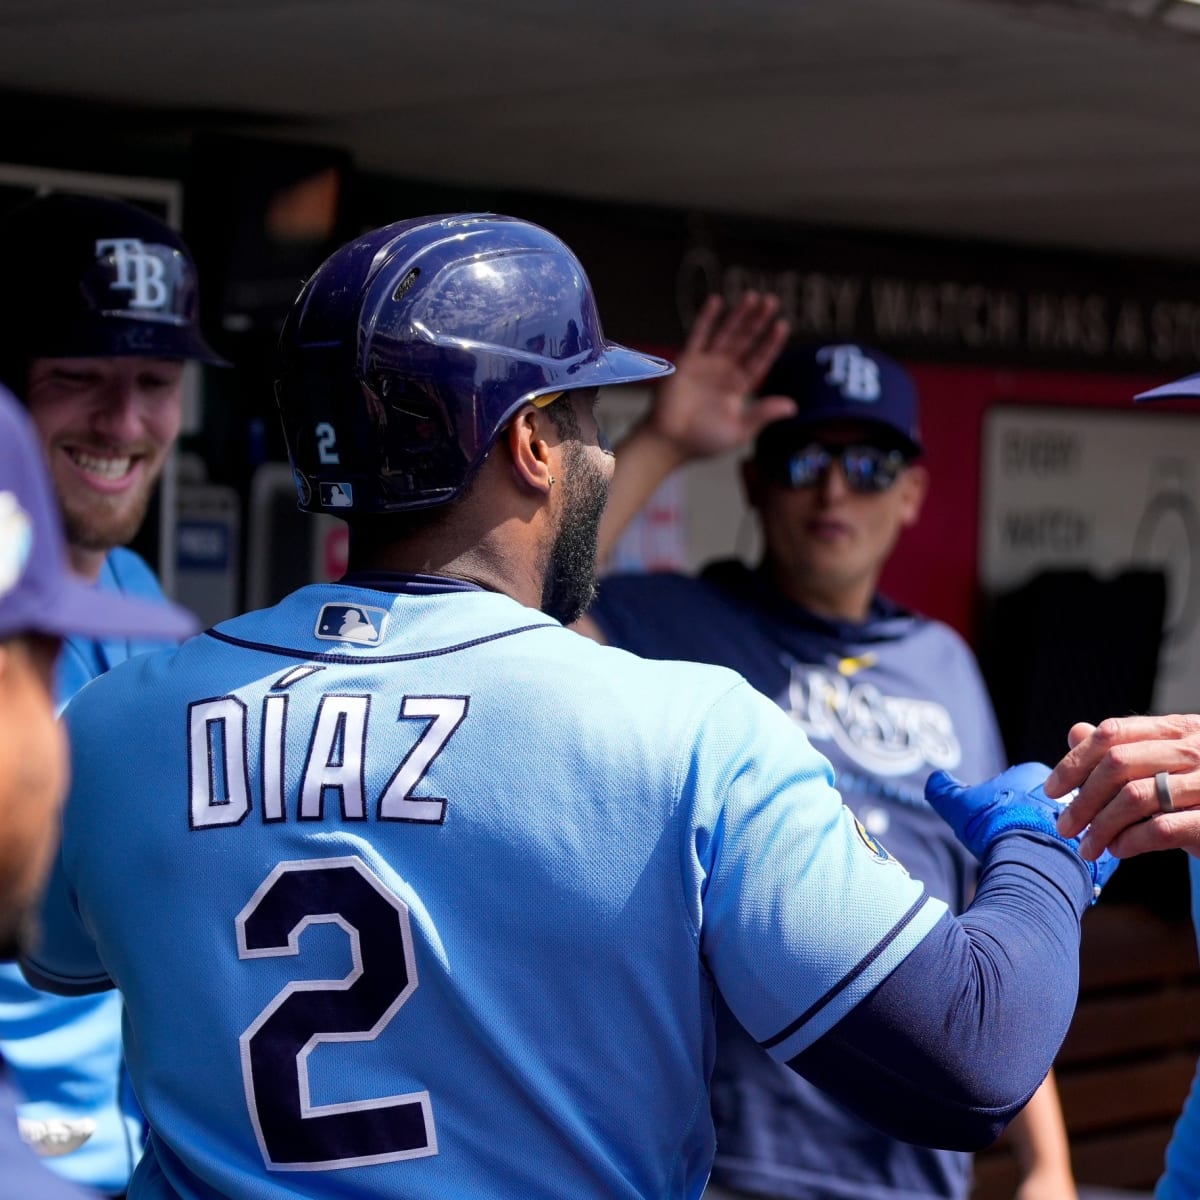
1048	122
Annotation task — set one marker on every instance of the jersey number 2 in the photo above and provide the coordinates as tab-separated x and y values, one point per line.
293	1133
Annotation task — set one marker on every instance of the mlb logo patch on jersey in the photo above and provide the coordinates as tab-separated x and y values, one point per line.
337	495
351	623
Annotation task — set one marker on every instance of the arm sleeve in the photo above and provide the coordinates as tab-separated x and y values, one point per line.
952	1044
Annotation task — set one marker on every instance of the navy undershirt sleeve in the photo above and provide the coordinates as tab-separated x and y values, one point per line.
947	1050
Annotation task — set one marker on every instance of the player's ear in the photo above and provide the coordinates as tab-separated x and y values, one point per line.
913	485
529	451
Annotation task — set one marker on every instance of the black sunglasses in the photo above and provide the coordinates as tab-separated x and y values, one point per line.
866	468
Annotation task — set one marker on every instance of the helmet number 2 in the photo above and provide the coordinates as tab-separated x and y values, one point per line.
327	443
294	1134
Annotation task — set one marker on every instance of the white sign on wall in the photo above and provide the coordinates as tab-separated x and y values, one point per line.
1106	491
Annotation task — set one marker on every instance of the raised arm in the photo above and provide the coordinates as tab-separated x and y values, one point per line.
707	407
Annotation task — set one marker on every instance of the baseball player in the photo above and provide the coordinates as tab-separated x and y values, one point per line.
99	318
441	912
40	605
886	695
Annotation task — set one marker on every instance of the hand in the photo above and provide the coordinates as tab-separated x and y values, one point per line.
706	407
1116	808
1012	802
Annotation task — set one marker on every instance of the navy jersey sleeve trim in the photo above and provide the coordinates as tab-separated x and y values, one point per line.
63	985
848	978
351	659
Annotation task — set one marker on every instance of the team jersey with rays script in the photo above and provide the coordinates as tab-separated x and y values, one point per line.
410	891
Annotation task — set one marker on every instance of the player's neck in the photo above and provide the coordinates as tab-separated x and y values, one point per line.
495	535
489	561
834	600
84	562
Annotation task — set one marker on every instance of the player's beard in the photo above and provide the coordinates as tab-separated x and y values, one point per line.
570	582
101	526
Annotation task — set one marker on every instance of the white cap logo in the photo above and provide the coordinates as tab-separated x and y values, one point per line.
139	271
850	371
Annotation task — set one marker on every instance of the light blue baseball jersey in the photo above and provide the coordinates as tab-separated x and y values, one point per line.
887	700
64	1052
414	892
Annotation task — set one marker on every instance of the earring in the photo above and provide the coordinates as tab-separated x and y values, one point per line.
551	480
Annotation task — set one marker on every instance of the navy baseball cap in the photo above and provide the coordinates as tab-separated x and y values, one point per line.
38	592
842	382
94	277
1187	387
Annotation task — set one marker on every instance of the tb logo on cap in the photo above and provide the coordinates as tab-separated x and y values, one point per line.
139	270
850	371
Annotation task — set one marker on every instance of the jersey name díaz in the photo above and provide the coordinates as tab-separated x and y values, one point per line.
332	746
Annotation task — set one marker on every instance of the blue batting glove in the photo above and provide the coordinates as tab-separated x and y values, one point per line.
1012	802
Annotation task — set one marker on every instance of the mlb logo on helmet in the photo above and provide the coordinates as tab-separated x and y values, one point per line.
351	623
337	495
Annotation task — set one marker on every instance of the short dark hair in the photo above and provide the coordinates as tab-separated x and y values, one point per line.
562	416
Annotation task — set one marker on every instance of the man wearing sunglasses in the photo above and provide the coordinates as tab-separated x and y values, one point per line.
886	695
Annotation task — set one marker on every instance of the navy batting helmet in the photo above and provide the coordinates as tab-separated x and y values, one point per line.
88	276
412	347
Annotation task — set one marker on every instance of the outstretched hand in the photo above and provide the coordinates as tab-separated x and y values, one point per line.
1012	802
1117	806
707	406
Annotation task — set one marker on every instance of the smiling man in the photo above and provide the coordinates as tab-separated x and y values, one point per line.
107	425
98	319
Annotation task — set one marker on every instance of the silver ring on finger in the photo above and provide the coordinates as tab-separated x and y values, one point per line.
1162	788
